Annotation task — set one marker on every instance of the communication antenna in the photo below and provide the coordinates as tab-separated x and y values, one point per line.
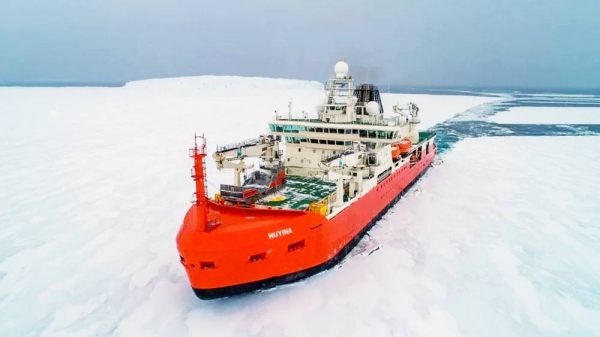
290	109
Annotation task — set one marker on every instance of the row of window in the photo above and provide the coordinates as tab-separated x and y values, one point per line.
297	140
360	110
360	133
317	141
389	178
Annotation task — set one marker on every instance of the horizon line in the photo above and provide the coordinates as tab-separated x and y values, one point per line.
382	86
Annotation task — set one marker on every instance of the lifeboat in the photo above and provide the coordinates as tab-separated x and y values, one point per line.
404	145
395	152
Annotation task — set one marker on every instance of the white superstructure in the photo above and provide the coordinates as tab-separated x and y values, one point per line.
350	115
348	142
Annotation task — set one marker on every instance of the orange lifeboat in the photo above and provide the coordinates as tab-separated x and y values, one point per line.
395	152
404	145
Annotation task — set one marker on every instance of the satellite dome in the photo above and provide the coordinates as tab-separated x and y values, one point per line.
341	69
373	108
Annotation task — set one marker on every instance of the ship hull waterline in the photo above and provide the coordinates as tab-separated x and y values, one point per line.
331	260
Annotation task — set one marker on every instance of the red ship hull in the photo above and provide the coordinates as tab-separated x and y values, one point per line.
256	248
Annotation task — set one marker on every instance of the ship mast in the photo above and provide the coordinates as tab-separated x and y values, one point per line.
198	152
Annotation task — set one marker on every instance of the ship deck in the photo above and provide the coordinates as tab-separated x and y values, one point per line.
299	192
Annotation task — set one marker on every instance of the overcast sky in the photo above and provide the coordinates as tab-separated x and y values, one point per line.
524	43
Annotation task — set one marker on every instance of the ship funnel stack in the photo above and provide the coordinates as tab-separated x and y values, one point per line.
370	108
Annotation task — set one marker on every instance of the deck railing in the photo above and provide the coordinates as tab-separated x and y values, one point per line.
316	119
247	142
326	158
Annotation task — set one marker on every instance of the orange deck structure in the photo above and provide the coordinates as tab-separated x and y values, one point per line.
286	222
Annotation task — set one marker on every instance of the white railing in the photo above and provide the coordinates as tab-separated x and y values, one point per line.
295	117
243	143
385	122
342	152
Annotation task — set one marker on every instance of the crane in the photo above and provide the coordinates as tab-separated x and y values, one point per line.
265	147
412	109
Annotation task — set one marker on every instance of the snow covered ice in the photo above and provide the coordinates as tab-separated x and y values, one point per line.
499	238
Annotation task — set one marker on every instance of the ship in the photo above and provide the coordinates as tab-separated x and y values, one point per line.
322	182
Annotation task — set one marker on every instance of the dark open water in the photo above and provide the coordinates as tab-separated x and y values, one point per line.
473	123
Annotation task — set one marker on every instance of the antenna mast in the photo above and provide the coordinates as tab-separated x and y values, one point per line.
198	153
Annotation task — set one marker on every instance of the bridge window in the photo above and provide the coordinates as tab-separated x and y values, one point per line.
295	140
276	127
293	128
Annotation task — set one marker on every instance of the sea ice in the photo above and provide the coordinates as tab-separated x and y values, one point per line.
95	181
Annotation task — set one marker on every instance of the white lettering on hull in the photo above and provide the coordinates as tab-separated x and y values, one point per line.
279	233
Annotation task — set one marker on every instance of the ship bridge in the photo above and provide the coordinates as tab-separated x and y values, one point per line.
350	114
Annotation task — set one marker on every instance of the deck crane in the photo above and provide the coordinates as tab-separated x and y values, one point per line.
413	111
264	147
412	108
346	169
